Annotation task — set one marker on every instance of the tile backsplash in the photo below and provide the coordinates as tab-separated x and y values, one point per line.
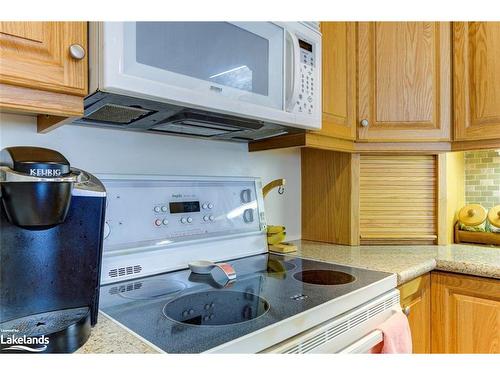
482	177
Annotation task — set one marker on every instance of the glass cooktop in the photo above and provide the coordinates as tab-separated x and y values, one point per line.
181	312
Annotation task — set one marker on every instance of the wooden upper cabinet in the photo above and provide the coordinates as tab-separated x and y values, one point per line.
476	60
339	79
404	81
36	55
465	314
38	74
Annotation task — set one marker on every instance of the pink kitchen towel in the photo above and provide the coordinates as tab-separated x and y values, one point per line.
397	335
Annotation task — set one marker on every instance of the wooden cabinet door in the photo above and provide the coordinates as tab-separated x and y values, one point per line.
36	55
465	314
339	79
476	63
416	303
404	81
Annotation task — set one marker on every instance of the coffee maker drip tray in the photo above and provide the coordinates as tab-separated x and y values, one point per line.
66	330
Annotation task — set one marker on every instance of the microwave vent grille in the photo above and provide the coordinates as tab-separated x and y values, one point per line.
118	114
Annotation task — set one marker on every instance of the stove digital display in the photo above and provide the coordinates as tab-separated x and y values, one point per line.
183	207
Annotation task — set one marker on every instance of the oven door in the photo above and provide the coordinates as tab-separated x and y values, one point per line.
353	332
230	66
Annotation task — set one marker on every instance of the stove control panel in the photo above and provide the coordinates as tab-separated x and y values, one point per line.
177	209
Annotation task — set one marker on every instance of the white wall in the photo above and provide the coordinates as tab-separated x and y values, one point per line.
112	151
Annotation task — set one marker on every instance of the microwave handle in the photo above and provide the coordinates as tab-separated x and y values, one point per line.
294	66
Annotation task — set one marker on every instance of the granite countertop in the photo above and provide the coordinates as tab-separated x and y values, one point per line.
406	261
108	337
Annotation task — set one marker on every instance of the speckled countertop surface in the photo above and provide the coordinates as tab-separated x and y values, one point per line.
107	337
407	262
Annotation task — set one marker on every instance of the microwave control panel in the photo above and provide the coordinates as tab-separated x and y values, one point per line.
164	211
309	81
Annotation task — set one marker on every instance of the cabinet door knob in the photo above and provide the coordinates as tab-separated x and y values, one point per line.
76	51
364	122
406	310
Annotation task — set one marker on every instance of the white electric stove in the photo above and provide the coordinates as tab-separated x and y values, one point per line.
156	225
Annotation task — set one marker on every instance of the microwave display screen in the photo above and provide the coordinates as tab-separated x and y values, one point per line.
182	207
305	45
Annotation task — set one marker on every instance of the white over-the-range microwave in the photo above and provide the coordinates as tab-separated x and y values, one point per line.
238	81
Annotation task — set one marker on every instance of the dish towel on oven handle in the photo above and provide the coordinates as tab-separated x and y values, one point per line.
396	336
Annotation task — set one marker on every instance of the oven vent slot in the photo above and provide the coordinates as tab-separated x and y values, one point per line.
342	327
124	271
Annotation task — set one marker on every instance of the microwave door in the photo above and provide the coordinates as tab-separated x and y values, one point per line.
216	65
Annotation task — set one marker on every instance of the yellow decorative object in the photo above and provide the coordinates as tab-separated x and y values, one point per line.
273	229
275	233
273	239
283	247
472	215
494	216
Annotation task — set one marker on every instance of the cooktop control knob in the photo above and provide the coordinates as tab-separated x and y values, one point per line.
164	208
205	218
183	220
157	209
190	220
211	217
210	206
246	196
248	215
157	222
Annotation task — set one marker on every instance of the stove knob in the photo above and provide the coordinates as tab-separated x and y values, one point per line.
191	311
211	217
204	206
210	206
246	195
205	218
157	209
248	215
189	220
207	307
164	208
165	222
185	313
157	222
183	220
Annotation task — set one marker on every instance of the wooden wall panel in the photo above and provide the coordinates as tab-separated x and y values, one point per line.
398	199
330	196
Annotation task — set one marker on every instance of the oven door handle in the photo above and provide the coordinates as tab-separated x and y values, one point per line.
364	344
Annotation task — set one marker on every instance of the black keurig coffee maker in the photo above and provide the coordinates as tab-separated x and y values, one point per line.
51	231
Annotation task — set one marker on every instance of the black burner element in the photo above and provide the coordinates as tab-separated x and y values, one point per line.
216	308
324	277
